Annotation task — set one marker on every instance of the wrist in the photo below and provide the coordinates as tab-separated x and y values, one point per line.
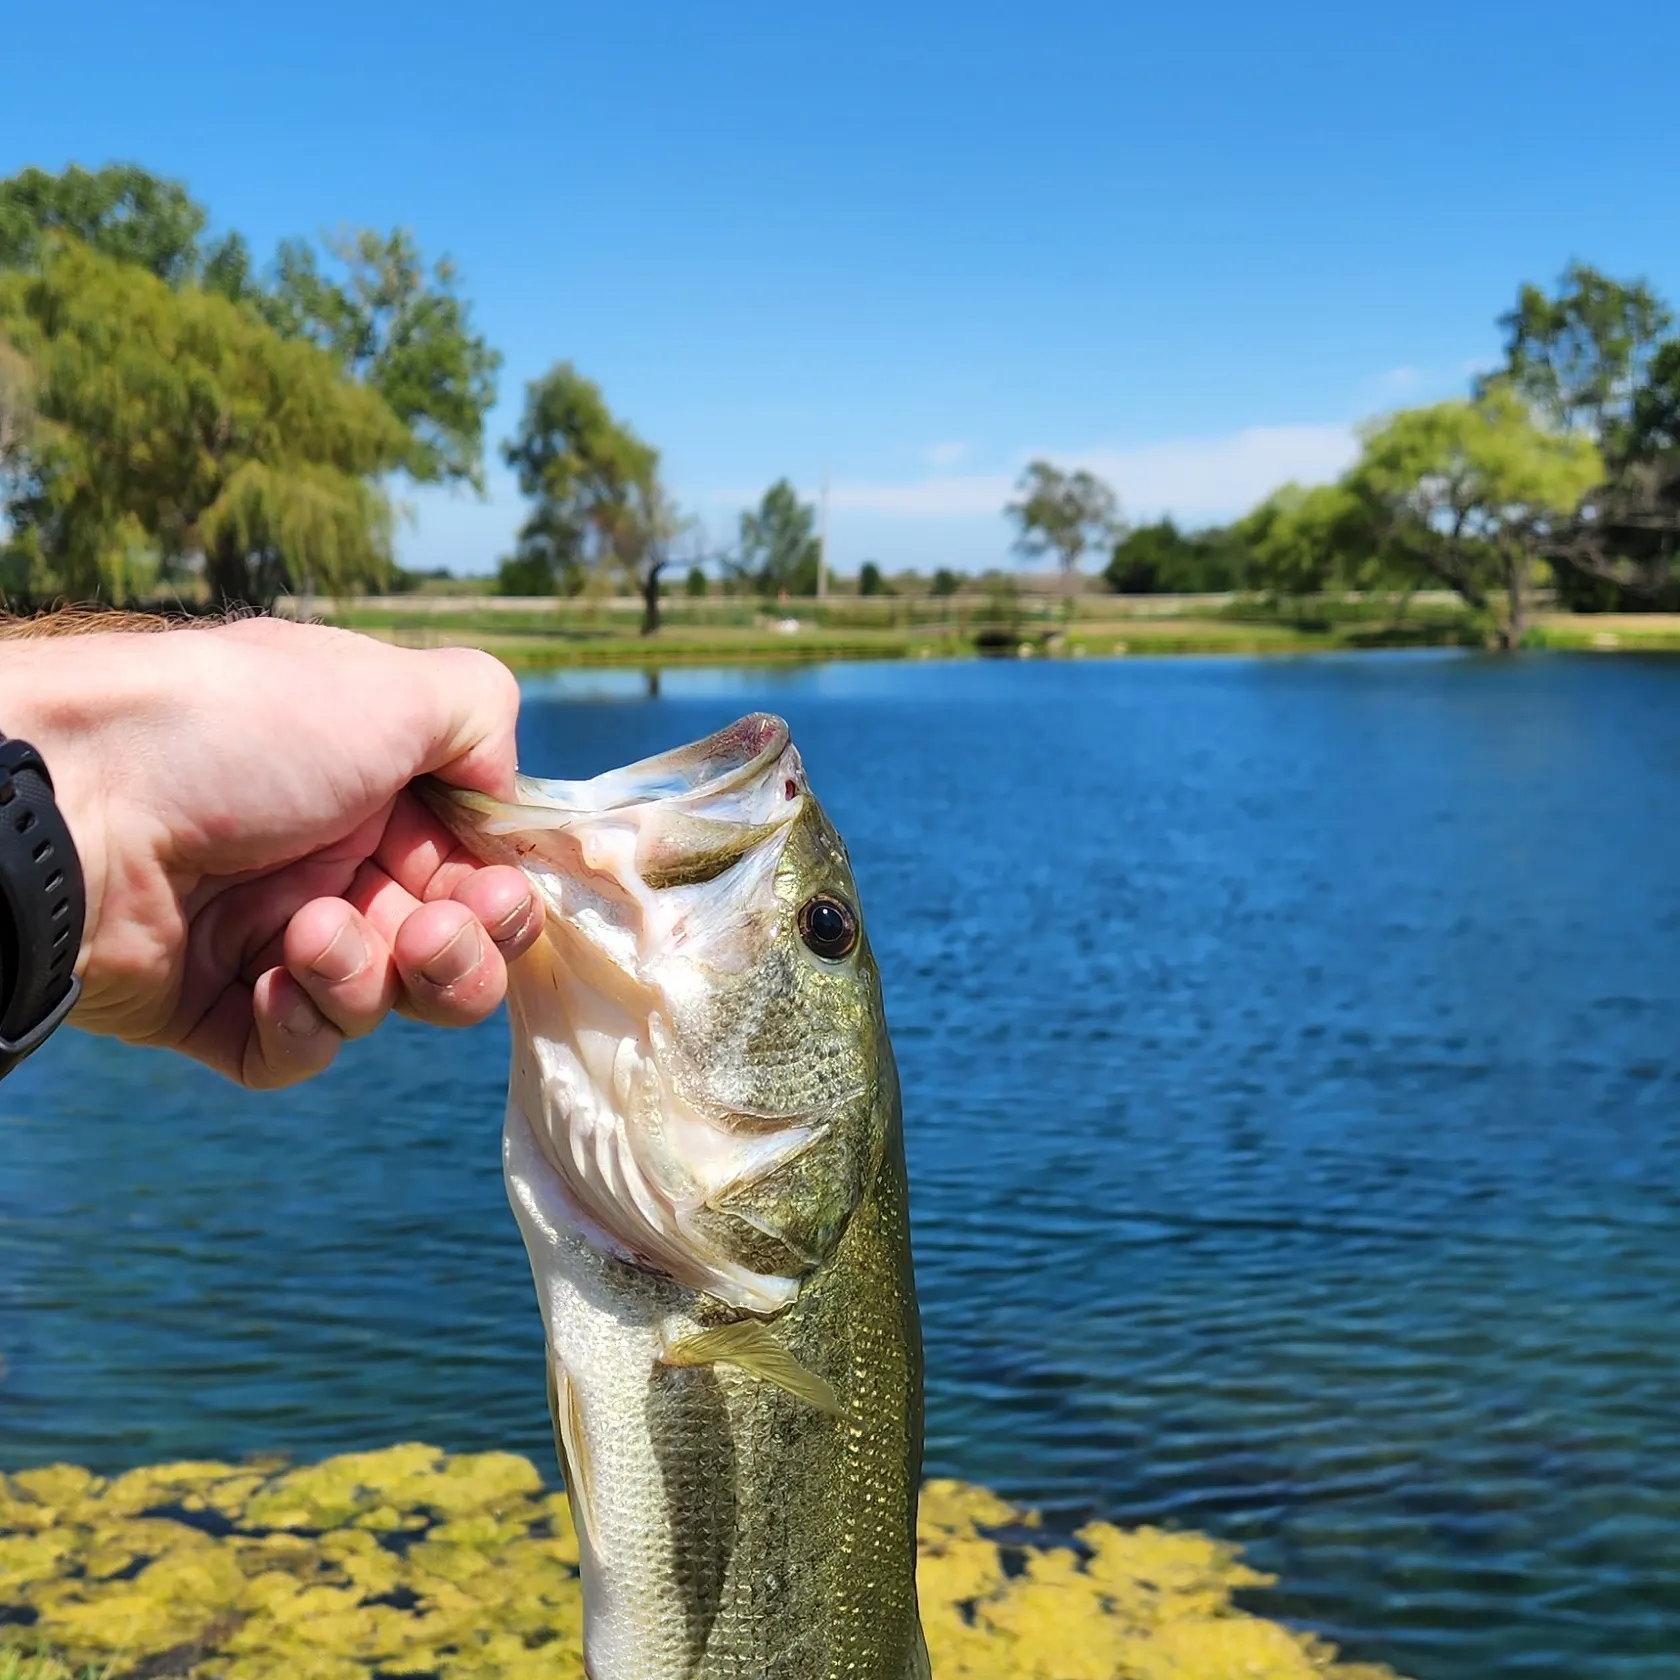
69	698
42	905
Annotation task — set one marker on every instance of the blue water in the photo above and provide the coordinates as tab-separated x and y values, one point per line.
1290	1064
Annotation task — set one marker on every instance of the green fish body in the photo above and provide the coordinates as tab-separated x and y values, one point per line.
703	1149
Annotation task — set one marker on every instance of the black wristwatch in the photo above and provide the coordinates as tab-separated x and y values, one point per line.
42	905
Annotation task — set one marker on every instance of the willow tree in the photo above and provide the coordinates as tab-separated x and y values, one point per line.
172	419
393	321
1472	492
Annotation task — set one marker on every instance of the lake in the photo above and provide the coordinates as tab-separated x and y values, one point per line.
1293	1107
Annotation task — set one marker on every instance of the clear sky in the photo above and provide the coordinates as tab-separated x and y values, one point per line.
912	245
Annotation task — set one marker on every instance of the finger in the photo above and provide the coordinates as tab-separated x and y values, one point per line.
420	854
500	896
344	966
475	706
289	1038
452	974
506	905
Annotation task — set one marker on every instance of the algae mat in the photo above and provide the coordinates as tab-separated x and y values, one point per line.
410	1562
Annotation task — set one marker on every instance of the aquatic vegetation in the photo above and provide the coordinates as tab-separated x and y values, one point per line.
410	1561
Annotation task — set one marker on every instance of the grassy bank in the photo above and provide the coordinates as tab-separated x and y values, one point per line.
538	635
408	1561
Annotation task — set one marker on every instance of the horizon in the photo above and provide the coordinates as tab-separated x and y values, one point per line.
909	254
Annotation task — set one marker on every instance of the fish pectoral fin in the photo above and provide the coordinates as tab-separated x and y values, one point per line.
573	1448
751	1347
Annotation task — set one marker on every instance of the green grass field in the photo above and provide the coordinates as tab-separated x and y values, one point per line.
538	635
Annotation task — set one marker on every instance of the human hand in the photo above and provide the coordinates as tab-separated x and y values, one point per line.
260	883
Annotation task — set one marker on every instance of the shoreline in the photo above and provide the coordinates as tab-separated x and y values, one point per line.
529	647
465	1567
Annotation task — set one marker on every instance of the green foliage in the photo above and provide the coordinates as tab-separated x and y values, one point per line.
170	422
402	330
870	581
1580	357
945	582
695	585
120	210
778	547
1063	513
1304	541
1160	559
594	485
1467	491
396	326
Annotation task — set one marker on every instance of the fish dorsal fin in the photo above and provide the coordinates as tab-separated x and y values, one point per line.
751	1347
573	1448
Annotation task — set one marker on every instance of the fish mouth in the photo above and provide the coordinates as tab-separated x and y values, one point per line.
723	770
692	812
659	882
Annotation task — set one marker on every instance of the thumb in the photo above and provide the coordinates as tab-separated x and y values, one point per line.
474	707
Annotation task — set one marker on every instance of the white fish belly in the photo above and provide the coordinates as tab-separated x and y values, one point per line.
607	1327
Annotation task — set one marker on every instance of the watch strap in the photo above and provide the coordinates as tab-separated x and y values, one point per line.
42	905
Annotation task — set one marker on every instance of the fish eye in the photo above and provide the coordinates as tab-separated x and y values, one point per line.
829	926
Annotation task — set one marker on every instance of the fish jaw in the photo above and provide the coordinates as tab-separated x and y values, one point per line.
656	880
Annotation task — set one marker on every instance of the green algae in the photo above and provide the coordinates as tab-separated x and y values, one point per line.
410	1561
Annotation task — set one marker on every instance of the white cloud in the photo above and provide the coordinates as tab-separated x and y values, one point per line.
945	454
1194	479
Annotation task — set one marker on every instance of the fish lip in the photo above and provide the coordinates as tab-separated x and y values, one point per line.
706	769
741	753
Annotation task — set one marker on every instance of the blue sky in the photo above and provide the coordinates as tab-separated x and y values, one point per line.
1188	245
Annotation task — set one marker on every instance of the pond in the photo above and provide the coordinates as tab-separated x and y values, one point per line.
1293	1105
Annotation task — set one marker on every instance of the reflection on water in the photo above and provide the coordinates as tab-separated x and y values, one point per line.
1294	1121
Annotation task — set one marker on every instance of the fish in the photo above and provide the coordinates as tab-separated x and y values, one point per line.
703	1148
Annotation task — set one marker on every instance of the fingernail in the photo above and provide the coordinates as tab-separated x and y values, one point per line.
457	959
512	924
302	1019
344	958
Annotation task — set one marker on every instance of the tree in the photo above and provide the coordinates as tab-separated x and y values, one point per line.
695	585
651	525
171	421
1625	539
945	582
17	406
1160	558
778	547
599	504
395	325
121	211
1064	514
398	328
1581	356
1470	492
870	581
1302	541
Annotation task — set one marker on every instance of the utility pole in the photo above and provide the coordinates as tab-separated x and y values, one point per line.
822	543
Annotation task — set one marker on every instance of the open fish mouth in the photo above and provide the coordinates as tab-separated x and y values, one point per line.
660	882
678	819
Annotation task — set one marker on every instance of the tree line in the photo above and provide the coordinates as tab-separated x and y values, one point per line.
169	407
1560	467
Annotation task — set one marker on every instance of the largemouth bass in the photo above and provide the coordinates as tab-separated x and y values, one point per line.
703	1149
